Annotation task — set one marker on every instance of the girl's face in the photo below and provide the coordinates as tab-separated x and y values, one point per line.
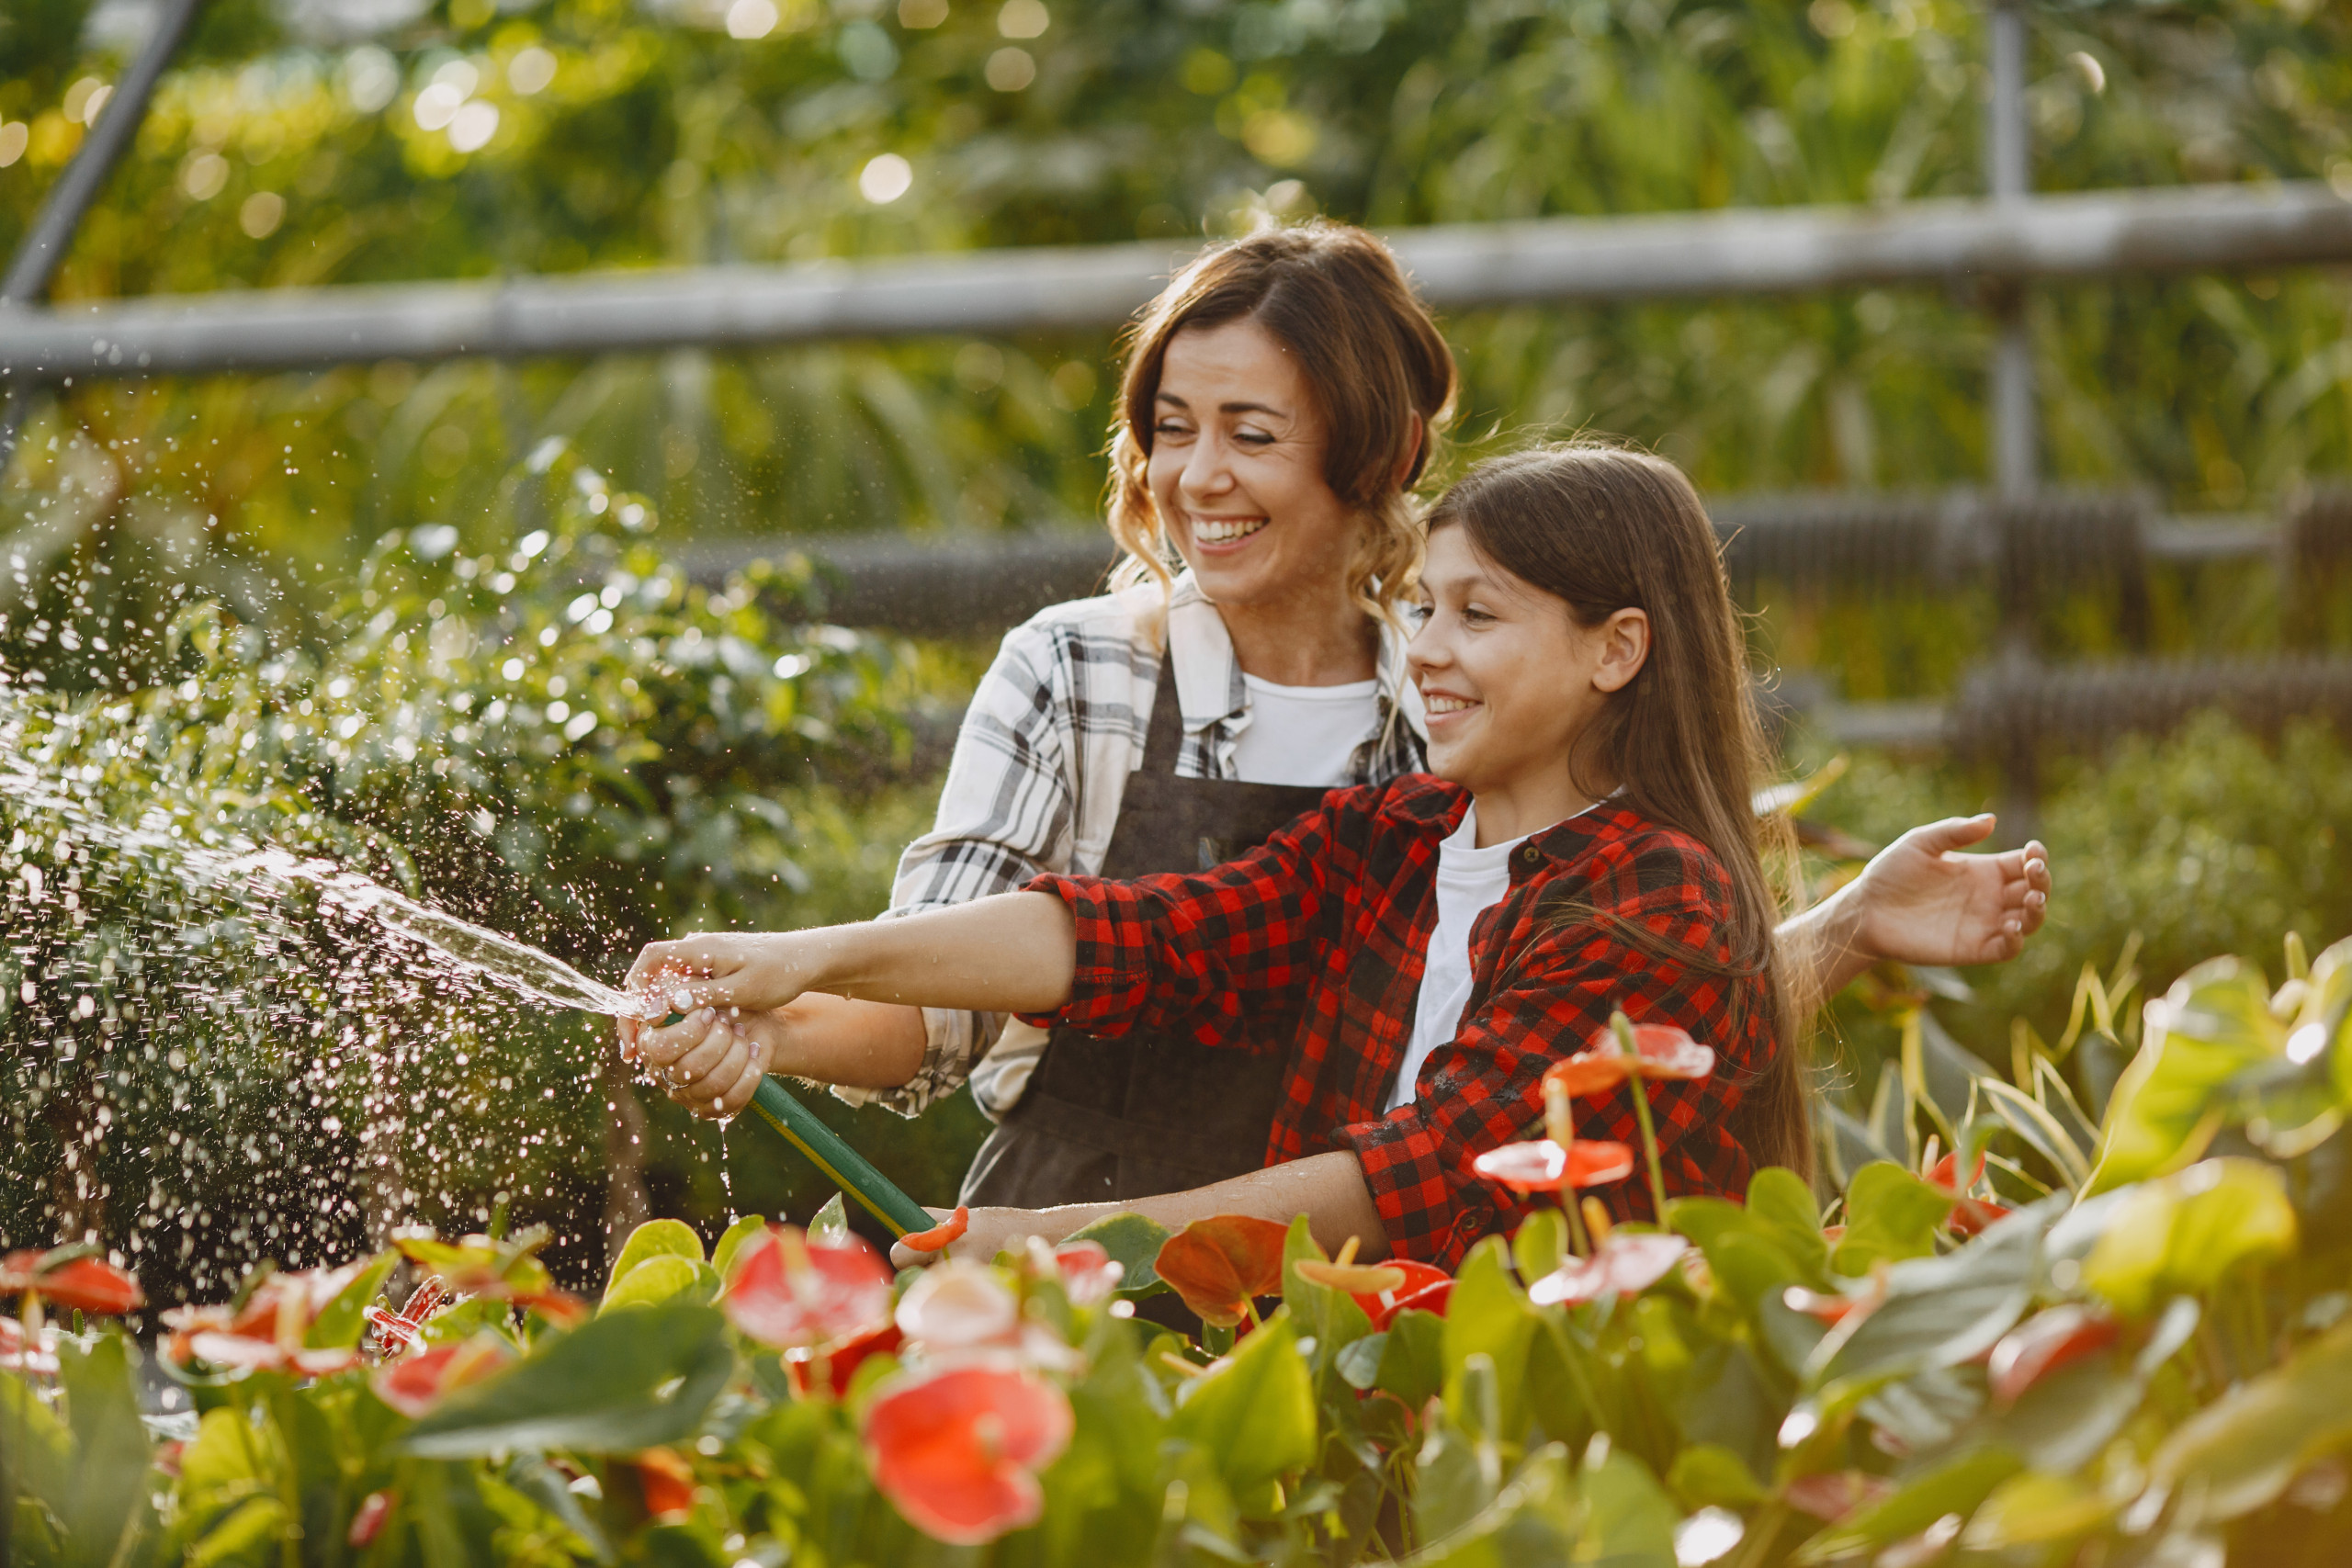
1509	680
1237	470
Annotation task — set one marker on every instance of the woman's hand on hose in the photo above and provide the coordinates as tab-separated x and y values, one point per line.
709	1062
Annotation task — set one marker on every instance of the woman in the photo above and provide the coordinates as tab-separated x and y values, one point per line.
1279	399
1426	949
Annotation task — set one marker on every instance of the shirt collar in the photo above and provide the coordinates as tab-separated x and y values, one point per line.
1208	678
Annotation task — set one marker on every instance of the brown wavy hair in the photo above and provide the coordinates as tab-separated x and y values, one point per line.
1333	296
1606	528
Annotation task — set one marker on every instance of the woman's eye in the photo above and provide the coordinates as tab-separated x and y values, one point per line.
1171	427
1472	615
1253	438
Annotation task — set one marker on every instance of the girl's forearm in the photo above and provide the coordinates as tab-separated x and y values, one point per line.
1820	951
1013	952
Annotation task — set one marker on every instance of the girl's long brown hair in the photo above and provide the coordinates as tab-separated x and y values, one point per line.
1332	296
1606	528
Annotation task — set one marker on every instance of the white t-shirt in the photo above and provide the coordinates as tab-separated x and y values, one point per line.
1470	881
1305	735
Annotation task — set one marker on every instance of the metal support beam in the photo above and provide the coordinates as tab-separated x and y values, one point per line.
1751	252
52	235
2009	177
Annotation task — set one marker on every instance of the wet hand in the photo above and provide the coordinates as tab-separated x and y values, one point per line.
752	971
708	1062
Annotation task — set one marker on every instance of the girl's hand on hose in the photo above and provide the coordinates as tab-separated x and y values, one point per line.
708	1062
748	971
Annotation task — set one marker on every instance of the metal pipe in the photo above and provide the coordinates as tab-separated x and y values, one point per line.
1749	251
52	235
2008	177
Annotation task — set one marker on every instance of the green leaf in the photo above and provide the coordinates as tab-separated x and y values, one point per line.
1133	1241
342	1320
1359	1364
2242	1450
730	1242
1709	1474
1534	1518
596	1389
44	1462
1938	1312
2186	1233
1412	1362
249	1535
654	1238
1488	1314
1541	1244
2036	1509
2212	1025
1890	1214
1954	1488
108	1494
1329	1315
659	1278
829	1225
1781	1203
1255	1414
1457	1475
1629	1518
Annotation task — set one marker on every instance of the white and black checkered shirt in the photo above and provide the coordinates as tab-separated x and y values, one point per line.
1041	764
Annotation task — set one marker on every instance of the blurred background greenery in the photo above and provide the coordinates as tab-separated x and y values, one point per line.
330	141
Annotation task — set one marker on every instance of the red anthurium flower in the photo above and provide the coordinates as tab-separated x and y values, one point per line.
938	1237
1829	1309
1628	1263
1969	1215
397	1331
1544	1166
958	1450
2045	1342
71	1278
415	1385
1425	1287
368	1522
1660	1051
14	1355
266	1334
505	1271
1219	1265
1088	1273
790	1292
960	1306
841	1361
1356	1278
668	1483
1833	1495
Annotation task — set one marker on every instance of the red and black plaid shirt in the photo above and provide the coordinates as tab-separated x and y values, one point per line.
1319	937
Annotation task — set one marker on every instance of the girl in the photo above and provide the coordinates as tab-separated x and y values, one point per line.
1425	948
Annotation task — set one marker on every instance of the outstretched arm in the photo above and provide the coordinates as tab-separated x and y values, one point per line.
804	1002
1919	901
1327	1188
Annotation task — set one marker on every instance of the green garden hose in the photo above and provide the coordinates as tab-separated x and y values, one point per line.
843	1165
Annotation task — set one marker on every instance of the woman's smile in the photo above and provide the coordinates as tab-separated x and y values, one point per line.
1222	534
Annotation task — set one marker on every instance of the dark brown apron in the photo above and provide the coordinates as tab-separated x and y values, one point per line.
1152	1110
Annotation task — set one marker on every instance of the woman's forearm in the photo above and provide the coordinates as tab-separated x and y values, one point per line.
1327	1188
837	1040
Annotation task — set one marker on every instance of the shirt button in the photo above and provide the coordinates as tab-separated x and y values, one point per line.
1530	854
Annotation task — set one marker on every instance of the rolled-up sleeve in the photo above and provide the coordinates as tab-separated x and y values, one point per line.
1184	952
1483	1088
1005	815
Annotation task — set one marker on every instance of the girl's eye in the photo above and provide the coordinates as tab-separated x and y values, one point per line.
1472	615
1419	614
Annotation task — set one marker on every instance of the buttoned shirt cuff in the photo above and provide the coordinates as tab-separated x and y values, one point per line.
1111	978
1429	1218
950	1040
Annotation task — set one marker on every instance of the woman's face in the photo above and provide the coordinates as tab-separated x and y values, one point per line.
1507	679
1237	470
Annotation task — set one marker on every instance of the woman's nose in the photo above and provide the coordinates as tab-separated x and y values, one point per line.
1205	472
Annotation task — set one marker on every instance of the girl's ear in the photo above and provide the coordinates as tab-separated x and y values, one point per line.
1624	649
